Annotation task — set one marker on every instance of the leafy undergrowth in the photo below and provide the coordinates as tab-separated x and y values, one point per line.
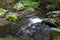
21	5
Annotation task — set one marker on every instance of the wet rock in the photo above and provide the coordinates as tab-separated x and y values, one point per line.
7	27
53	22
57	21
53	14
4	28
26	12
3	22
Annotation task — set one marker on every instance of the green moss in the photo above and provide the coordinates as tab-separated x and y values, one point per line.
11	17
3	11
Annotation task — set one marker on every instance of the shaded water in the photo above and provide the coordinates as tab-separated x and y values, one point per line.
35	28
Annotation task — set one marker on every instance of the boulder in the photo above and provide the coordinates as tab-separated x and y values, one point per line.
53	22
53	14
4	27
26	12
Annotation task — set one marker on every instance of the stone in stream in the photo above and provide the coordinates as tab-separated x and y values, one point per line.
53	14
26	13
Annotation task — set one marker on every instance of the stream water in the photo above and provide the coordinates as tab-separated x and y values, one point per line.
35	27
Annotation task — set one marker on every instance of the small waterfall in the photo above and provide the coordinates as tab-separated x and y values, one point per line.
35	20
34	28
30	27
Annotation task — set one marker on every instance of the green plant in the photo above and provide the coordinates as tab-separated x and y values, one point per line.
2	11
19	6
23	4
11	17
29	4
